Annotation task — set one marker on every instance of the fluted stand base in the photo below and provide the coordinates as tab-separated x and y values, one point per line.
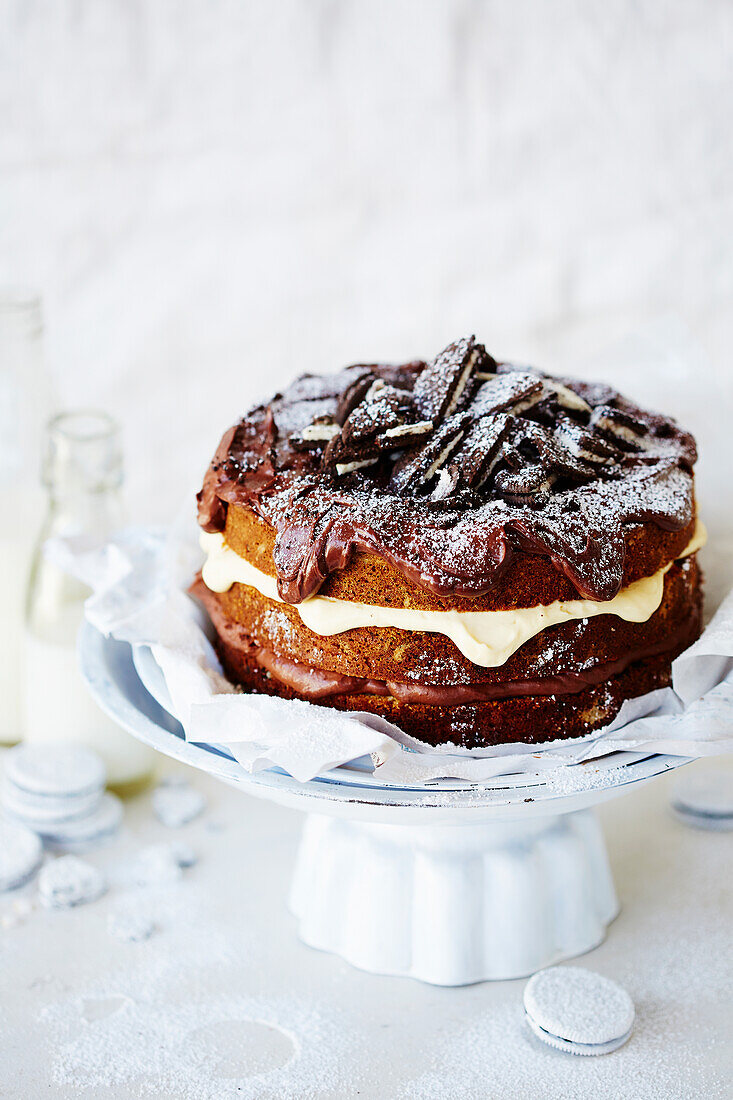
453	904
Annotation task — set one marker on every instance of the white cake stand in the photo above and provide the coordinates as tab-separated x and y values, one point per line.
446	882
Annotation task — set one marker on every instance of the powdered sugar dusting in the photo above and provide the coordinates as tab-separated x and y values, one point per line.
222	1002
579	1005
563	475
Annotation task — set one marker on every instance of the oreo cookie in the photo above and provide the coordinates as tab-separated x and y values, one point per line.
578	1011
528	485
354	392
445	385
480	449
418	467
625	430
317	434
514	392
584	444
405	435
554	456
382	408
567	398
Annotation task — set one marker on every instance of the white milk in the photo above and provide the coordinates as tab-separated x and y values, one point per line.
58	707
15	553
25	404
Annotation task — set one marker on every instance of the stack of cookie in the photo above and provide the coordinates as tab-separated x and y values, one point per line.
57	791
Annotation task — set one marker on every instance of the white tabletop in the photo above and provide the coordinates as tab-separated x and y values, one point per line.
223	1001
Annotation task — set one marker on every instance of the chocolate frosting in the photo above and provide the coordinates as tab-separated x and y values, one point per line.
450	469
316	683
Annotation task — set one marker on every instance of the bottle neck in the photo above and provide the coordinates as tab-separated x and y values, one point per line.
82	471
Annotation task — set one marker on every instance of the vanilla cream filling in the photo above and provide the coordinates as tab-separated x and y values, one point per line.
487	638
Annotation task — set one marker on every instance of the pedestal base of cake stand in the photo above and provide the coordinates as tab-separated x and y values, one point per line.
446	882
454	904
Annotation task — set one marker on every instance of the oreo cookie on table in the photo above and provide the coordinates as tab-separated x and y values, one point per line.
67	882
54	770
445	384
578	1011
57	791
46	808
21	853
80	833
704	799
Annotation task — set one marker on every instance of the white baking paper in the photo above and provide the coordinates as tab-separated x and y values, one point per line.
139	581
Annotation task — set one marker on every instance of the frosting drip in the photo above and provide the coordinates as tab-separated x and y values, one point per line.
448	470
487	638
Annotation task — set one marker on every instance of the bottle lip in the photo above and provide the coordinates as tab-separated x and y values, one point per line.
83	452
83	425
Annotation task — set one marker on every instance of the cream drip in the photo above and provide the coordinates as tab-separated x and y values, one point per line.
487	638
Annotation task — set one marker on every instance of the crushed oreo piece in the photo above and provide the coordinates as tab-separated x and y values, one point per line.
516	392
585	444
598	393
356	444
293	418
566	398
405	435
317	434
339	458
625	430
444	385
383	407
556	457
481	447
418	467
528	485
354	393
343	468
337	453
448	480
320	387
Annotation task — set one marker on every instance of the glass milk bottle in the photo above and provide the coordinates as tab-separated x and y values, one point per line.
25	406
82	472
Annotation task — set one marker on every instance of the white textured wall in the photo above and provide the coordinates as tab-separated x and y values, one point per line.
212	192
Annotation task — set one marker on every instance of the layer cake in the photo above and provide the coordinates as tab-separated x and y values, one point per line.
479	552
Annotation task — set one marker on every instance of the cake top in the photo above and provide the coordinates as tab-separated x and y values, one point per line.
448	469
